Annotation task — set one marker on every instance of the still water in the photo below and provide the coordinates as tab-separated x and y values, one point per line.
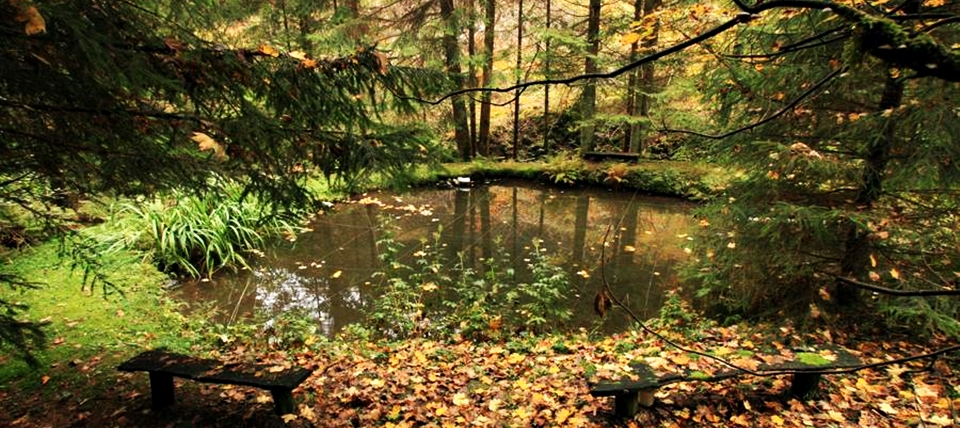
329	271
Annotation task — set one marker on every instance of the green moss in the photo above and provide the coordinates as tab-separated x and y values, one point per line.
811	359
699	375
88	328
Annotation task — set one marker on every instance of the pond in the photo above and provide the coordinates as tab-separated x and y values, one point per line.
331	271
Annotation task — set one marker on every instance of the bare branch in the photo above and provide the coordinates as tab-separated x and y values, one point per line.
778	113
762	372
799	46
739	19
898	293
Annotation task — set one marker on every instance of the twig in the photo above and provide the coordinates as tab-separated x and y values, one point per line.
762	373
786	108
739	19
892	292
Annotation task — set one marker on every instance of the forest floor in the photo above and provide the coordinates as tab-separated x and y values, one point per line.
524	381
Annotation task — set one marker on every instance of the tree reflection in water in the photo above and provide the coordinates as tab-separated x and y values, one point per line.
328	272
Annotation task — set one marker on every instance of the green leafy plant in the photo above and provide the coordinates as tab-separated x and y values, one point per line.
192	234
483	302
564	168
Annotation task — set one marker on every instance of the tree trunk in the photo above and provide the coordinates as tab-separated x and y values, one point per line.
546	88
588	100
631	98
451	50
472	72
488	38
642	81
356	28
516	100
856	257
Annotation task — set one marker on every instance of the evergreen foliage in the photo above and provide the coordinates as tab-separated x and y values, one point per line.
858	179
134	98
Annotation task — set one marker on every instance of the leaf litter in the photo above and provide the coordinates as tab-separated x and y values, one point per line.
539	382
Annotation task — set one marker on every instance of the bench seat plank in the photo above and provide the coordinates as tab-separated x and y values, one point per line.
644	379
213	371
163	366
616	156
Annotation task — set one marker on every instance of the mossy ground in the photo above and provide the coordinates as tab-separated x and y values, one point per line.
88	328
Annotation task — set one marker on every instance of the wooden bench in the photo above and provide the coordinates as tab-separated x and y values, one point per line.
616	156
630	393
163	366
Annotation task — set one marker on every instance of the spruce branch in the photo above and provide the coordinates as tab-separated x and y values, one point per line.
881	37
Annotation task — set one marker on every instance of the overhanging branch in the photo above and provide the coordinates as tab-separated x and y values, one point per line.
739	19
881	37
786	108
892	292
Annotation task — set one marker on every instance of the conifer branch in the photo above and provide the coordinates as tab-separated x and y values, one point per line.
95	111
796	101
881	37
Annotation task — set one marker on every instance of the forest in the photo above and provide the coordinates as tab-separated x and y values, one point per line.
716	213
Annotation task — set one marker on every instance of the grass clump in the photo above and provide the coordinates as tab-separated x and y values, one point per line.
190	234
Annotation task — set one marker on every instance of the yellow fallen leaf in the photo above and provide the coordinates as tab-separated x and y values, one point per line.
394	412
205	142
33	21
894	273
629	38
289	417
440	411
515	359
562	415
521	413
336	274
629	248
777	420
307	412
888	409
268	50
460	399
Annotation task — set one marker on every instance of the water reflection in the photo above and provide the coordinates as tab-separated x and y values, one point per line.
328	273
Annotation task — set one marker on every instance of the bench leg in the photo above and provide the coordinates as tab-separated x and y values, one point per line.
626	405
804	384
283	400
161	390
